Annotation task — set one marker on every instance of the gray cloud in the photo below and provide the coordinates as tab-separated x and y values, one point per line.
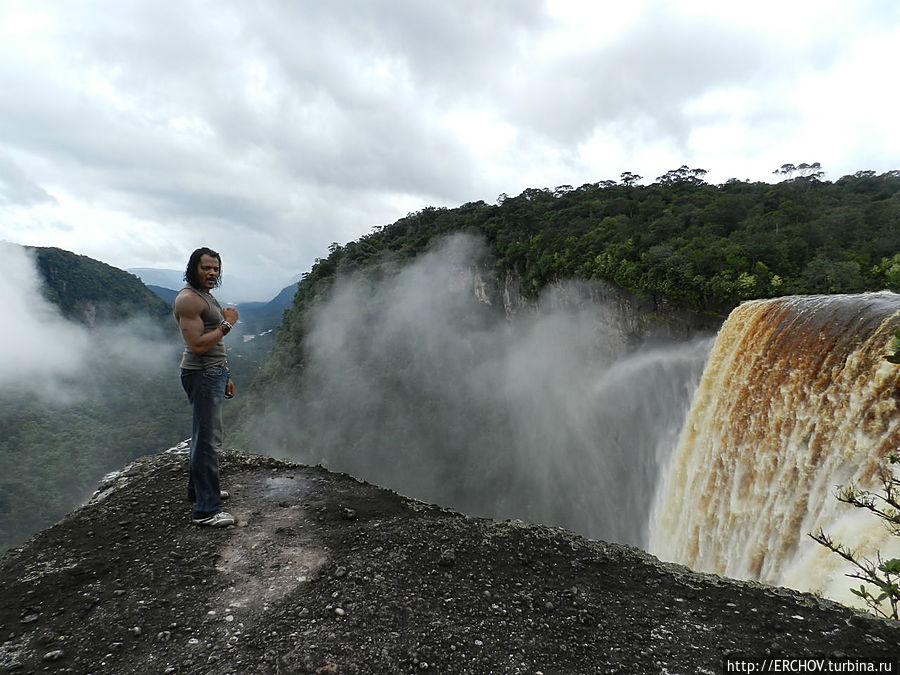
649	73
284	126
18	188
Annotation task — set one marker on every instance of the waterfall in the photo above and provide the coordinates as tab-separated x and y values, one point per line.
796	398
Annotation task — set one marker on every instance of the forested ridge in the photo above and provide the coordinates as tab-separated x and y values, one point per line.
701	246
88	290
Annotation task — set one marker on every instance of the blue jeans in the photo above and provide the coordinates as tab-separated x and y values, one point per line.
206	391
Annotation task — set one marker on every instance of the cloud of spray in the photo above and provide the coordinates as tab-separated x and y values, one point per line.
40	348
75	401
550	417
53	360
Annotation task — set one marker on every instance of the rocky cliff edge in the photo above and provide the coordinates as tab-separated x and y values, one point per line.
327	574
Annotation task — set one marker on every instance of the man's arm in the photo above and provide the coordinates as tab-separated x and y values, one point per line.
189	308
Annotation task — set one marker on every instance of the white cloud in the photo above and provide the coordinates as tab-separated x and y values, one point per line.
17	188
40	348
269	131
52	359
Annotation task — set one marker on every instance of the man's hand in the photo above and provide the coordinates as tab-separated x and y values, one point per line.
229	388
231	315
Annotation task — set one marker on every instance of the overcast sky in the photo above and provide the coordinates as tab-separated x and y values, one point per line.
135	131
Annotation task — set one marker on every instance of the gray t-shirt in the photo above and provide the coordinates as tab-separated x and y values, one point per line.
212	317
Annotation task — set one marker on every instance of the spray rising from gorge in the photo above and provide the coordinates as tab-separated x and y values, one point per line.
558	414
796	398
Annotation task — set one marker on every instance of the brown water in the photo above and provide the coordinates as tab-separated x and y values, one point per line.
796	398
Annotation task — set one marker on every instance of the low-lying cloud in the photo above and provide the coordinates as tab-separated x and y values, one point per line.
41	349
50	359
553	416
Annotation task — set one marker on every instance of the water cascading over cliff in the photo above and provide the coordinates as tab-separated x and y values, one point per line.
796	398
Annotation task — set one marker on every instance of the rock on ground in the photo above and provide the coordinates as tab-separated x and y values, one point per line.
327	574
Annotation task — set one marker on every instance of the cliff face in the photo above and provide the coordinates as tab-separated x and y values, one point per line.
325	574
636	318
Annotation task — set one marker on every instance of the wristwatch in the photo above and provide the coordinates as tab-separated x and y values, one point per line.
226	327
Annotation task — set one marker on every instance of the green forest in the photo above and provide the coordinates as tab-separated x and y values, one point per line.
88	290
700	246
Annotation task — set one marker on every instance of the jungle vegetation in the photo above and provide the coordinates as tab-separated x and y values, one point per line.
703	247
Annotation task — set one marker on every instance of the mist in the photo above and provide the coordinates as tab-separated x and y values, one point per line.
554	415
76	401
41	350
49	359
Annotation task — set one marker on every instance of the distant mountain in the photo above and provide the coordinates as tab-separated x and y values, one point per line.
89	291
262	316
234	289
125	401
167	295
256	317
118	397
173	279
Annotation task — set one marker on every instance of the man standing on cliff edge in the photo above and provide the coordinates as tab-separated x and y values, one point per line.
204	376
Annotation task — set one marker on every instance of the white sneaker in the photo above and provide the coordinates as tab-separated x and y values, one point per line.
220	519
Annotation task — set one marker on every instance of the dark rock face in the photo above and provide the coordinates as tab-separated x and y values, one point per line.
635	318
325	574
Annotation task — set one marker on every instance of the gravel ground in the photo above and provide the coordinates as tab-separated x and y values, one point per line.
327	574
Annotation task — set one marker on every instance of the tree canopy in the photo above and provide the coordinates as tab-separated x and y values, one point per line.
700	246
